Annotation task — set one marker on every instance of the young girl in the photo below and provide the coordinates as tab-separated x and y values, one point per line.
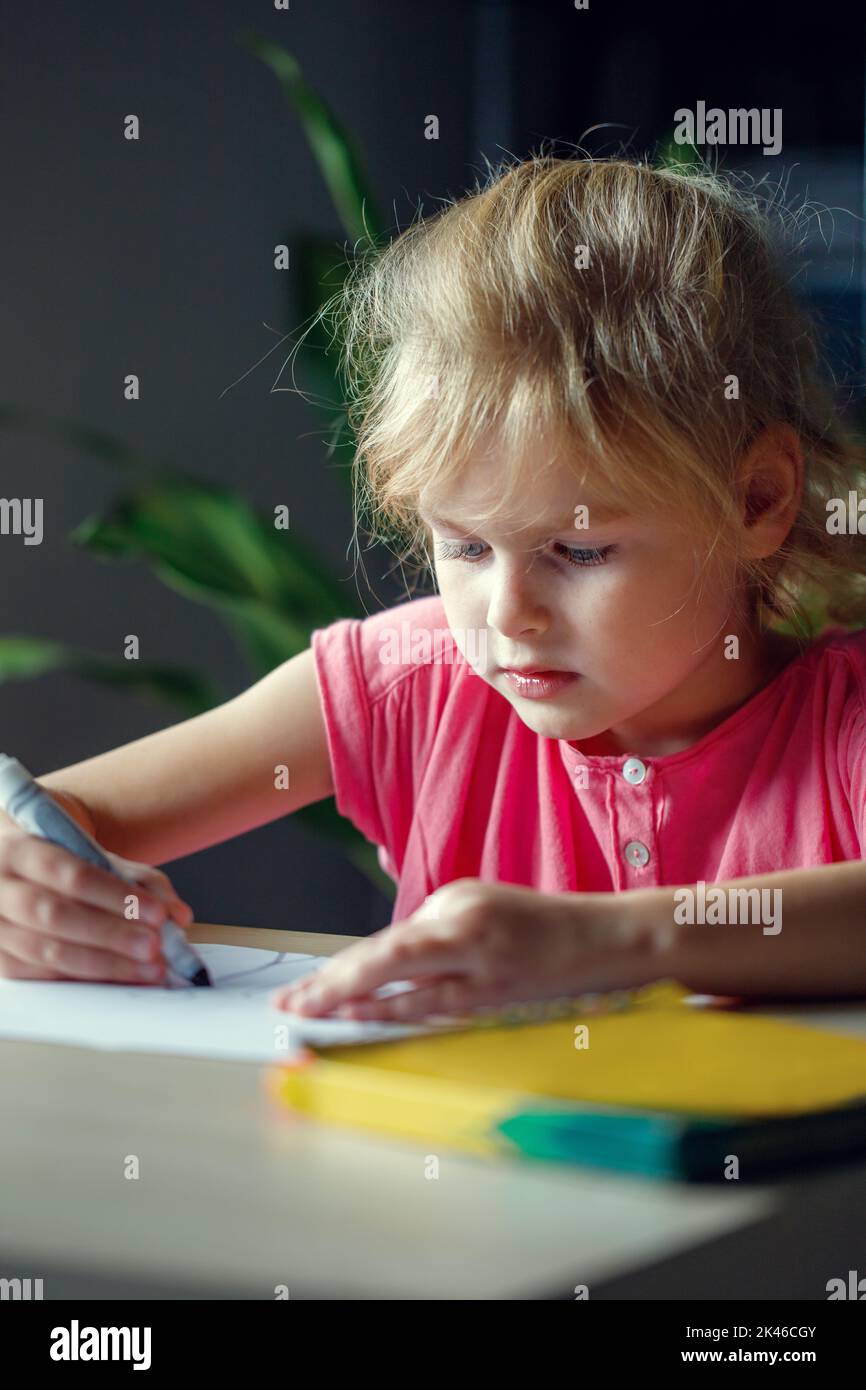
611	747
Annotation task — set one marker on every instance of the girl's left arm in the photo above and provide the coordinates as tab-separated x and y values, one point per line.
472	944
810	941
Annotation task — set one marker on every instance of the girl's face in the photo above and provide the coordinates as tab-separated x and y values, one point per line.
621	604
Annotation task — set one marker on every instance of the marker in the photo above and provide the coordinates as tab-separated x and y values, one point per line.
35	811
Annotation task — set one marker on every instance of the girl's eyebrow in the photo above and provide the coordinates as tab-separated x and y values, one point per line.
598	516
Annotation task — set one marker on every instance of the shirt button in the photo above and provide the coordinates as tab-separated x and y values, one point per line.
634	771
637	853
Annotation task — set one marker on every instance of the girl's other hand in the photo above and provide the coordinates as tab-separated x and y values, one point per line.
475	945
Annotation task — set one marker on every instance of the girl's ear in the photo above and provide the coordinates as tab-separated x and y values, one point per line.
770	485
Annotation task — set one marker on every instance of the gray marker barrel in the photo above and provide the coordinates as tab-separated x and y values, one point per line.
30	806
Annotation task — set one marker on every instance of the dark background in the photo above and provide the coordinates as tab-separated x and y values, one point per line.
157	257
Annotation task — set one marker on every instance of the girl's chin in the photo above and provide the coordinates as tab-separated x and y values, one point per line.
551	723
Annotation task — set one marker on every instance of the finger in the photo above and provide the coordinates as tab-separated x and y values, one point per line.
466	1000
12	969
23	952
360	969
40	861
448	995
451	998
288	995
288	992
161	886
45	914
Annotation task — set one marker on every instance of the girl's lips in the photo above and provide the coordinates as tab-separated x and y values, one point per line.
536	685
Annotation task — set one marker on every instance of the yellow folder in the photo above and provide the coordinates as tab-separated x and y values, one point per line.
661	1055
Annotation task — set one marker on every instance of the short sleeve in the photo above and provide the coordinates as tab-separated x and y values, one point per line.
851	724
373	706
855	739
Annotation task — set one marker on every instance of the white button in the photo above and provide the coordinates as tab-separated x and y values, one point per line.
634	771
637	853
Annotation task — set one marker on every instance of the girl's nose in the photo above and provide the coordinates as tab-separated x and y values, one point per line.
516	605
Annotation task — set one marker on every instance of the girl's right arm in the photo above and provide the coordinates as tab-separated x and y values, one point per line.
156	799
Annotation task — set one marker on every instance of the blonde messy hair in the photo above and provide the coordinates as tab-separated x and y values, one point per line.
477	323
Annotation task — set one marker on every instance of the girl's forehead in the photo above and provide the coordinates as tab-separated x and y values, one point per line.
520	498
545	472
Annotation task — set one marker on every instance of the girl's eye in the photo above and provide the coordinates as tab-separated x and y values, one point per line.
596	556
457	550
575	555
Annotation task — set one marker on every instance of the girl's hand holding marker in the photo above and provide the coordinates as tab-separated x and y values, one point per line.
64	918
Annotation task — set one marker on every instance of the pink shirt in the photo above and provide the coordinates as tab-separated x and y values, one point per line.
434	766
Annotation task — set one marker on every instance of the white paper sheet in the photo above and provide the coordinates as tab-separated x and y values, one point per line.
234	1019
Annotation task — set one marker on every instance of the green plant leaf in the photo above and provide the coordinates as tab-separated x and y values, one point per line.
209	545
23	658
321	269
330	142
